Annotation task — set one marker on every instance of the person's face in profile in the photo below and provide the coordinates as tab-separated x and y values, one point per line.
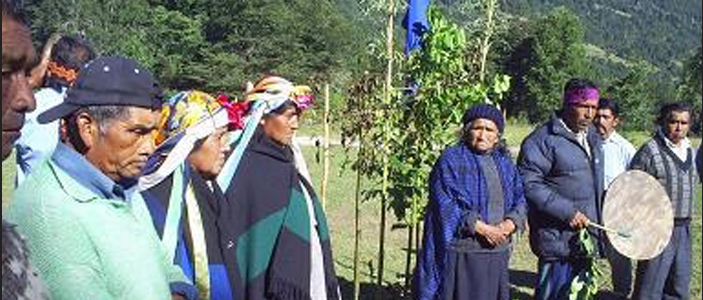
18	59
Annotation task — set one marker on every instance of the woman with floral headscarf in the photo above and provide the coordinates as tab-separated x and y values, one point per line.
275	235
179	190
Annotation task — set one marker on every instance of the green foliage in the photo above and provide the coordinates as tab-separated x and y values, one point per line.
483	32
429	118
364	121
420	124
636	97
660	32
641	91
608	66
167	42
219	45
113	26
689	88
543	61
178	40
214	45
585	285
301	39
220	70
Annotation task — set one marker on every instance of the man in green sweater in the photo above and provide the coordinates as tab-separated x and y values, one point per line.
86	239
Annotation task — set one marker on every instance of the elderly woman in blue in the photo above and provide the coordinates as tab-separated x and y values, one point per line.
476	205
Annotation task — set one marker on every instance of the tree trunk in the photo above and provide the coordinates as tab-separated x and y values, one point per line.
326	164
490	7
386	140
409	260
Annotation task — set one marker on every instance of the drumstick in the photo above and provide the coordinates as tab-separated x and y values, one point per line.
601	227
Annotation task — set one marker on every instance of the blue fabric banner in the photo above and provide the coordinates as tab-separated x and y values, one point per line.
415	24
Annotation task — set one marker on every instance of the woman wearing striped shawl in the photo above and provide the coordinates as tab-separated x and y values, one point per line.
277	244
178	187
476	204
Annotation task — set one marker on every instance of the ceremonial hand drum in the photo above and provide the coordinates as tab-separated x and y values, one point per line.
637	204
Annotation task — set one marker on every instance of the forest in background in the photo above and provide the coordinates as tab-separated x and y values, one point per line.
640	52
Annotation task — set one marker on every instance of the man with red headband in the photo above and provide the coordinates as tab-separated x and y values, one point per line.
562	166
38	141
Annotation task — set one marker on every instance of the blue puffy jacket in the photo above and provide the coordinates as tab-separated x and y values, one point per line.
560	179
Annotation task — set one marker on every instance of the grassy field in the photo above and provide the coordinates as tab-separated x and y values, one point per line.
340	211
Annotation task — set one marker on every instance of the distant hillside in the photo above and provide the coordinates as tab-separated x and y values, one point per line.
661	32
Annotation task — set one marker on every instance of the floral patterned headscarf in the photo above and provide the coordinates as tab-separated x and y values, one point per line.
275	91
183	111
186	118
266	96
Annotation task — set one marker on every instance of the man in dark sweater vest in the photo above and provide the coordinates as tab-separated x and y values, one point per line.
669	157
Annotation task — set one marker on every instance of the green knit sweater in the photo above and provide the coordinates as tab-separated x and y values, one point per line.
86	247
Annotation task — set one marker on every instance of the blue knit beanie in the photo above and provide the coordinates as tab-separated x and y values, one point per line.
484	111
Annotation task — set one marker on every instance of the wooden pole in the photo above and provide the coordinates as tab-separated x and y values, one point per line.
357	228
409	258
386	139
490	7
412	245
418	237
326	147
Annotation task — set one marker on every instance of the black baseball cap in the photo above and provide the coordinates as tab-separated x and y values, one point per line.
108	81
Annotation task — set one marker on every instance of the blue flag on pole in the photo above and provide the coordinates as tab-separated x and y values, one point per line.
415	24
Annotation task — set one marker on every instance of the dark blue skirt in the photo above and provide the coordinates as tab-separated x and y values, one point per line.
477	274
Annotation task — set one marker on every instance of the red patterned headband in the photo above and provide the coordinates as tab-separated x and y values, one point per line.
61	72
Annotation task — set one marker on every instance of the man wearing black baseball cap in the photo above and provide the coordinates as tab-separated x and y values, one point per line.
88	241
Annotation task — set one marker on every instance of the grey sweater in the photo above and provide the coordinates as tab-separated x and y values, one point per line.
678	177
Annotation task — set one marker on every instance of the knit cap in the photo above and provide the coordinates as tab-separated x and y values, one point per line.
484	111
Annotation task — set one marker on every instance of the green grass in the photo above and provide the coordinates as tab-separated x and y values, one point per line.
696	292
515	132
310	128
637	138
340	213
